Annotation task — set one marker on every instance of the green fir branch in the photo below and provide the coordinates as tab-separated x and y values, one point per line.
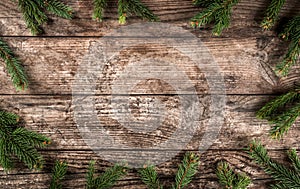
292	154
33	15
8	119
139	9
105	180
290	59
5	156
285	177
217	11
32	138
58	174
291	32
150	177
136	7
272	107
122	11
13	66
284	121
99	6
90	175
19	142
186	170
58	8
229	179
272	13
34	12
291	28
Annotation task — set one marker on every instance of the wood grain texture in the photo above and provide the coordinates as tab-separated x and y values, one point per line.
246	67
180	11
245	54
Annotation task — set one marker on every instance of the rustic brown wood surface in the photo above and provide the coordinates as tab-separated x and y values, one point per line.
245	54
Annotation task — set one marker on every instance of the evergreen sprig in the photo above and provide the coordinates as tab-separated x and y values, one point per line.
186	170
19	142
99	6
282	119
229	179
136	7
272	107
58	8
150	177
292	154
292	33
105	180
218	11
58	174
284	176
272	13
125	8
13	66
34	12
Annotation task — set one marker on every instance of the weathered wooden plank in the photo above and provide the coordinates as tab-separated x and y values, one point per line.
246	13
54	116
246	64
78	163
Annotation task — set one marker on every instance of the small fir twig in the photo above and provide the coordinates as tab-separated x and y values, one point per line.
13	66
229	179
284	176
186	170
34	12
136	7
19	142
292	33
150	177
99	6
282	120
125	8
216	11
272	13
105	180
58	174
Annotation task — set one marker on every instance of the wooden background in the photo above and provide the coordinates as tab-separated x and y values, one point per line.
245	54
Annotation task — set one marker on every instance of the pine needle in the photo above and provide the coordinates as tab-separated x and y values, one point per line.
105	180
284	121
294	159
58	174
285	177
8	119
136	7
90	175
272	14
58	8
271	108
34	12
13	66
290	58
229	179
186	170
150	178
291	32
19	142
217	11
99	6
